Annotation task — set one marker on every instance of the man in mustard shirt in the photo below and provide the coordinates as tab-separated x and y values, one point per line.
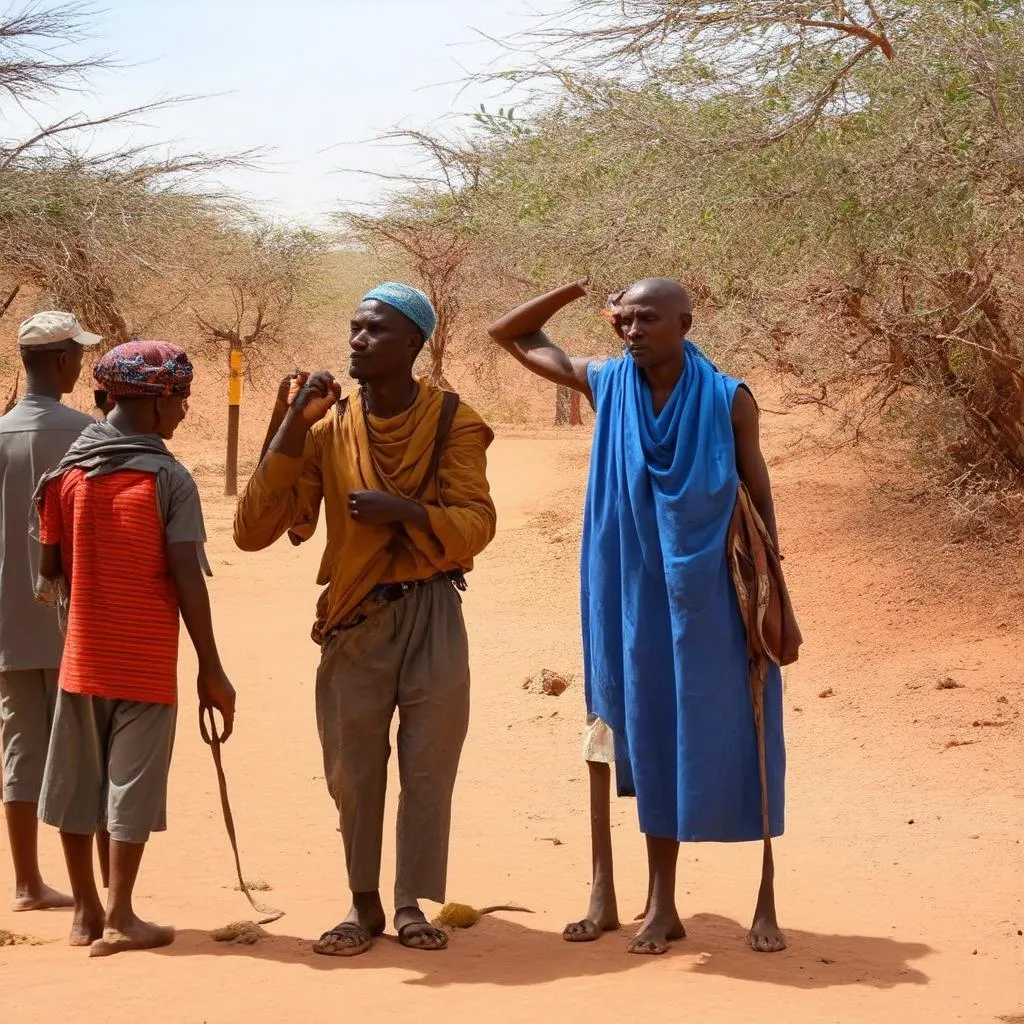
400	468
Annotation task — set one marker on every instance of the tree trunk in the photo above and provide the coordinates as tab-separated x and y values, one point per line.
235	372
567	407
11	296
435	350
575	416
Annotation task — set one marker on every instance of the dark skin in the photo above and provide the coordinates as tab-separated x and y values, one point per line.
51	371
383	346
103	403
117	924
652	317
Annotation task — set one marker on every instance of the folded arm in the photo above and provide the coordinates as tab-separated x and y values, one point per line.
462	522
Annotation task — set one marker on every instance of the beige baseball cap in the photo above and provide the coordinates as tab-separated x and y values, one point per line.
52	327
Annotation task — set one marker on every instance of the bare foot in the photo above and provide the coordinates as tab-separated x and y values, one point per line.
135	935
656	933
416	932
354	935
602	916
43	898
87	927
765	936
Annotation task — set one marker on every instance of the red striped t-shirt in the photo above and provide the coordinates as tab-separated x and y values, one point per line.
122	639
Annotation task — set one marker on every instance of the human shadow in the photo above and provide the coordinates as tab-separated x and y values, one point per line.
812	961
501	952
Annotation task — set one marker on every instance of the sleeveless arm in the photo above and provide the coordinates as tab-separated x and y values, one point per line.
752	468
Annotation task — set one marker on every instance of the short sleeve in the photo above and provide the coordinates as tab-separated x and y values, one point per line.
50	517
183	511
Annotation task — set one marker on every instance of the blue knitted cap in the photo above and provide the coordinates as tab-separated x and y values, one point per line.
408	300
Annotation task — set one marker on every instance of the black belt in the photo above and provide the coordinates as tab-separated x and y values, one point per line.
388	593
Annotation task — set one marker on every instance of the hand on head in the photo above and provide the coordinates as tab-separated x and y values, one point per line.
613	311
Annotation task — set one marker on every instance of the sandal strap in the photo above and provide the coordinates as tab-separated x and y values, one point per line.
345	928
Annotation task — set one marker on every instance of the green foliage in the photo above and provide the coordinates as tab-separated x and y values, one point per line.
844	191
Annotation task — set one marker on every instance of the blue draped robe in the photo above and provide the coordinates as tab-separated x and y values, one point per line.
664	645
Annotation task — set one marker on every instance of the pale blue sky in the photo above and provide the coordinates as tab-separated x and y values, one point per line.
300	76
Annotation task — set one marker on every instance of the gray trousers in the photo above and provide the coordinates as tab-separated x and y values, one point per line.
412	656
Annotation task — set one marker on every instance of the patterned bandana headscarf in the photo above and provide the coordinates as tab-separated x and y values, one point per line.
144	368
407	300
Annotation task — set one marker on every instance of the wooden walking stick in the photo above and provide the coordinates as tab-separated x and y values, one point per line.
212	739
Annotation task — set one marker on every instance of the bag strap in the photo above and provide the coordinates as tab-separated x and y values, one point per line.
449	407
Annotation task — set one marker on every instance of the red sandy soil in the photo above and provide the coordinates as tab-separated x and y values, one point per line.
900	878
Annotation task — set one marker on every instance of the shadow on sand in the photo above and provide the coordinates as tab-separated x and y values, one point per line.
500	952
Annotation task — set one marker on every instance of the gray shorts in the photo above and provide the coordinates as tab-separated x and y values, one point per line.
108	762
27	700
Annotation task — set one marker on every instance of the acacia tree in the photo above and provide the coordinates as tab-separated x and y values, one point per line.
262	271
108	235
113	242
840	184
260	277
426	225
800	54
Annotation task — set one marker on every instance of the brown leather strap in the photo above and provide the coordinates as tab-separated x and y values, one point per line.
449	407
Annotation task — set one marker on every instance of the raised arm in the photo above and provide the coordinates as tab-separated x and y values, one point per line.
285	492
520	332
287	391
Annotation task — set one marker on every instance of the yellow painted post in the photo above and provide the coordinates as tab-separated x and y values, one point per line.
235	371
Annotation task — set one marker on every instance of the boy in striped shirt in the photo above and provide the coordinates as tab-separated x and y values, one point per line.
122	536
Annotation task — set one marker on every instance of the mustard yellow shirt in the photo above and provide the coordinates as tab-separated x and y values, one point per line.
347	451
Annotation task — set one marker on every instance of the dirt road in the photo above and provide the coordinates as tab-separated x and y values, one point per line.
900	877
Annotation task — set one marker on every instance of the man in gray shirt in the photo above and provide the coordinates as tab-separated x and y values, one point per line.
34	436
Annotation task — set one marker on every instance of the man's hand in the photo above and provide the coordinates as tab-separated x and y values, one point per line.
288	389
378	508
612	311
216	692
316	396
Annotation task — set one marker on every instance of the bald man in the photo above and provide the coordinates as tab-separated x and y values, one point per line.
664	644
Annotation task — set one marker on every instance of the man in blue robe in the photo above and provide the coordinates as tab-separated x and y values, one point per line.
664	645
